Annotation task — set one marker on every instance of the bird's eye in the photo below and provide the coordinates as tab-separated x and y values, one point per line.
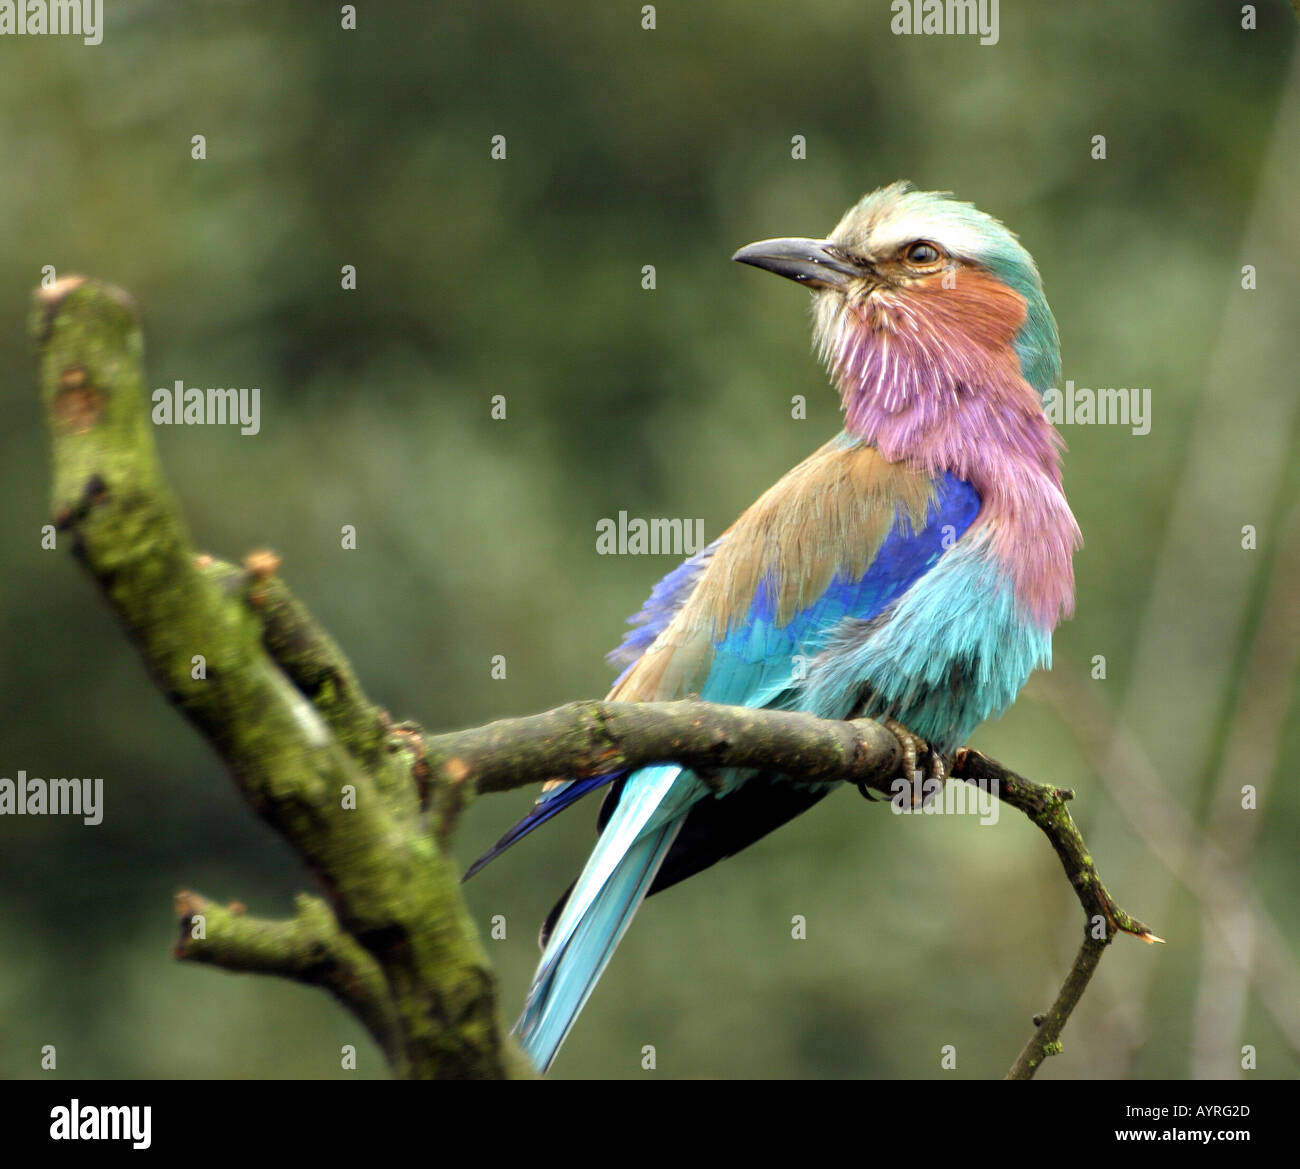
921	253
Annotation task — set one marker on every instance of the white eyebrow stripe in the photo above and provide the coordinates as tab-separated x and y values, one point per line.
957	239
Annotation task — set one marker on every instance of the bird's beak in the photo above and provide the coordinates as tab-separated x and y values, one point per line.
816	263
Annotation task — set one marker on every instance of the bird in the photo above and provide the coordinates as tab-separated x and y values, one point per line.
911	570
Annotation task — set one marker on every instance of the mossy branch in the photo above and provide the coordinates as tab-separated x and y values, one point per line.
369	805
309	947
317	761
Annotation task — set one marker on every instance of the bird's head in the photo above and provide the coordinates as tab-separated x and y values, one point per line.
932	320
915	292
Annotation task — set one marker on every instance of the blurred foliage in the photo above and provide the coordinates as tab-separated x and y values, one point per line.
476	537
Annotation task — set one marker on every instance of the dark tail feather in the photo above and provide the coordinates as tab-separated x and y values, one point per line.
715	829
719	828
551	804
548	926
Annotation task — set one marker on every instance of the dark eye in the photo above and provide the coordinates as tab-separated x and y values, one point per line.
921	253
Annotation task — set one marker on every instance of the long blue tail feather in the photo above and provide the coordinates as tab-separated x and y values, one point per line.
599	909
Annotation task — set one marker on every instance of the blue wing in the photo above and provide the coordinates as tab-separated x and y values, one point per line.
755	664
752	667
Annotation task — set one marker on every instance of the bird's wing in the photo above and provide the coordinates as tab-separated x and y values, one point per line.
665	599
839	537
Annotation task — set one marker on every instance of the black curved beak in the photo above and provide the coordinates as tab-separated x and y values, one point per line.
816	263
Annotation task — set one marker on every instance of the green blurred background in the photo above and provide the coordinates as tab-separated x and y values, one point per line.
522	277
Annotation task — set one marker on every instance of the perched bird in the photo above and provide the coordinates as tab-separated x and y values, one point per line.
911	570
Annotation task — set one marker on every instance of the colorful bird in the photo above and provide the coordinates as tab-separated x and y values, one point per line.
911	570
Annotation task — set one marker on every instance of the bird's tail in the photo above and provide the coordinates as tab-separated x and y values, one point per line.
599	909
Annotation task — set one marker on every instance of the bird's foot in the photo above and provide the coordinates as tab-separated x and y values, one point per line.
923	781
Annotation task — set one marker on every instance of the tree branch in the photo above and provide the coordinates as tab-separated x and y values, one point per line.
305	749
594	738
309	947
591	738
1046	807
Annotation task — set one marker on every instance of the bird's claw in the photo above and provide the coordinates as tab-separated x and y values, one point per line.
915	749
